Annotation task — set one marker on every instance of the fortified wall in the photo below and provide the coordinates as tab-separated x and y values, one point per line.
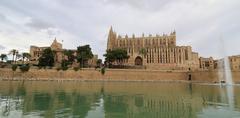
116	75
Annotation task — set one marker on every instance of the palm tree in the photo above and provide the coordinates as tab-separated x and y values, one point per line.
13	52
3	57
17	57
25	55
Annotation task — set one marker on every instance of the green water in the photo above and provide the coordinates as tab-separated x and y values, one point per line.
117	100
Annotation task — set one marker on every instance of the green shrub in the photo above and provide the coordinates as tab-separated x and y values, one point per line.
58	68
76	68
14	67
24	68
103	71
64	68
39	67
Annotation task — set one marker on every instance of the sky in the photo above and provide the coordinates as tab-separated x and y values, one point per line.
211	27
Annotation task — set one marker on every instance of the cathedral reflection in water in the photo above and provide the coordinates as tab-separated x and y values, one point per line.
111	99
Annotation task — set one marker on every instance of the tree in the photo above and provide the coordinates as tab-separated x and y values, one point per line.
3	57
64	64
120	55
13	52
99	62
25	56
109	57
24	67
143	52
14	67
84	53
70	56
116	55
47	58
18	56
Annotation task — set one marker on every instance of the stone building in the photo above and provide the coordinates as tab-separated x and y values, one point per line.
93	62
234	62
207	63
36	53
218	64
161	51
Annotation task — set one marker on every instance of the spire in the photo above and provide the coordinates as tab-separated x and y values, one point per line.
126	36
111	37
111	33
55	40
111	30
174	32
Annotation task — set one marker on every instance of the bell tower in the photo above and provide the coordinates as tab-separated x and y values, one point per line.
111	38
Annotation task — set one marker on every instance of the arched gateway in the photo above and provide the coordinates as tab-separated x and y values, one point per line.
138	61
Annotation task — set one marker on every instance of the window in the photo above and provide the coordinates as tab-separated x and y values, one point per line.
147	59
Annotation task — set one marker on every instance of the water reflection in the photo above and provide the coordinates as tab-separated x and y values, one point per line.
116	100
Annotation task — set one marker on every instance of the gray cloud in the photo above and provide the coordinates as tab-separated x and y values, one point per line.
2	17
199	23
38	24
151	5
2	47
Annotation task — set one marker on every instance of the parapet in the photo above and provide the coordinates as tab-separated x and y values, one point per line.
150	35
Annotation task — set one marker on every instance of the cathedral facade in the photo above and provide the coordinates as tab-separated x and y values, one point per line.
154	52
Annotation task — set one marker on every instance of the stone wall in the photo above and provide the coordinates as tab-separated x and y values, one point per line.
91	74
213	76
116	75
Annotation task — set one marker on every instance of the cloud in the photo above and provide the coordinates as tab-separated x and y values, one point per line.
151	5
38	24
198	23
2	17
2	47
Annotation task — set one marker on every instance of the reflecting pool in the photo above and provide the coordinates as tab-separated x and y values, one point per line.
33	99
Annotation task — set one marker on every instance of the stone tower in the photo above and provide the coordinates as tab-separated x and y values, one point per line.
112	36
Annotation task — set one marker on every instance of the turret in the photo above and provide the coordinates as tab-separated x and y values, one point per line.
173	33
126	36
56	45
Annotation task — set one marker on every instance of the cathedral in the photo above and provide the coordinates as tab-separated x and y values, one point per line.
154	52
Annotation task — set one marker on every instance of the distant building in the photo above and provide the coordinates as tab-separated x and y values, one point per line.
234	62
161	51
206	63
36	53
